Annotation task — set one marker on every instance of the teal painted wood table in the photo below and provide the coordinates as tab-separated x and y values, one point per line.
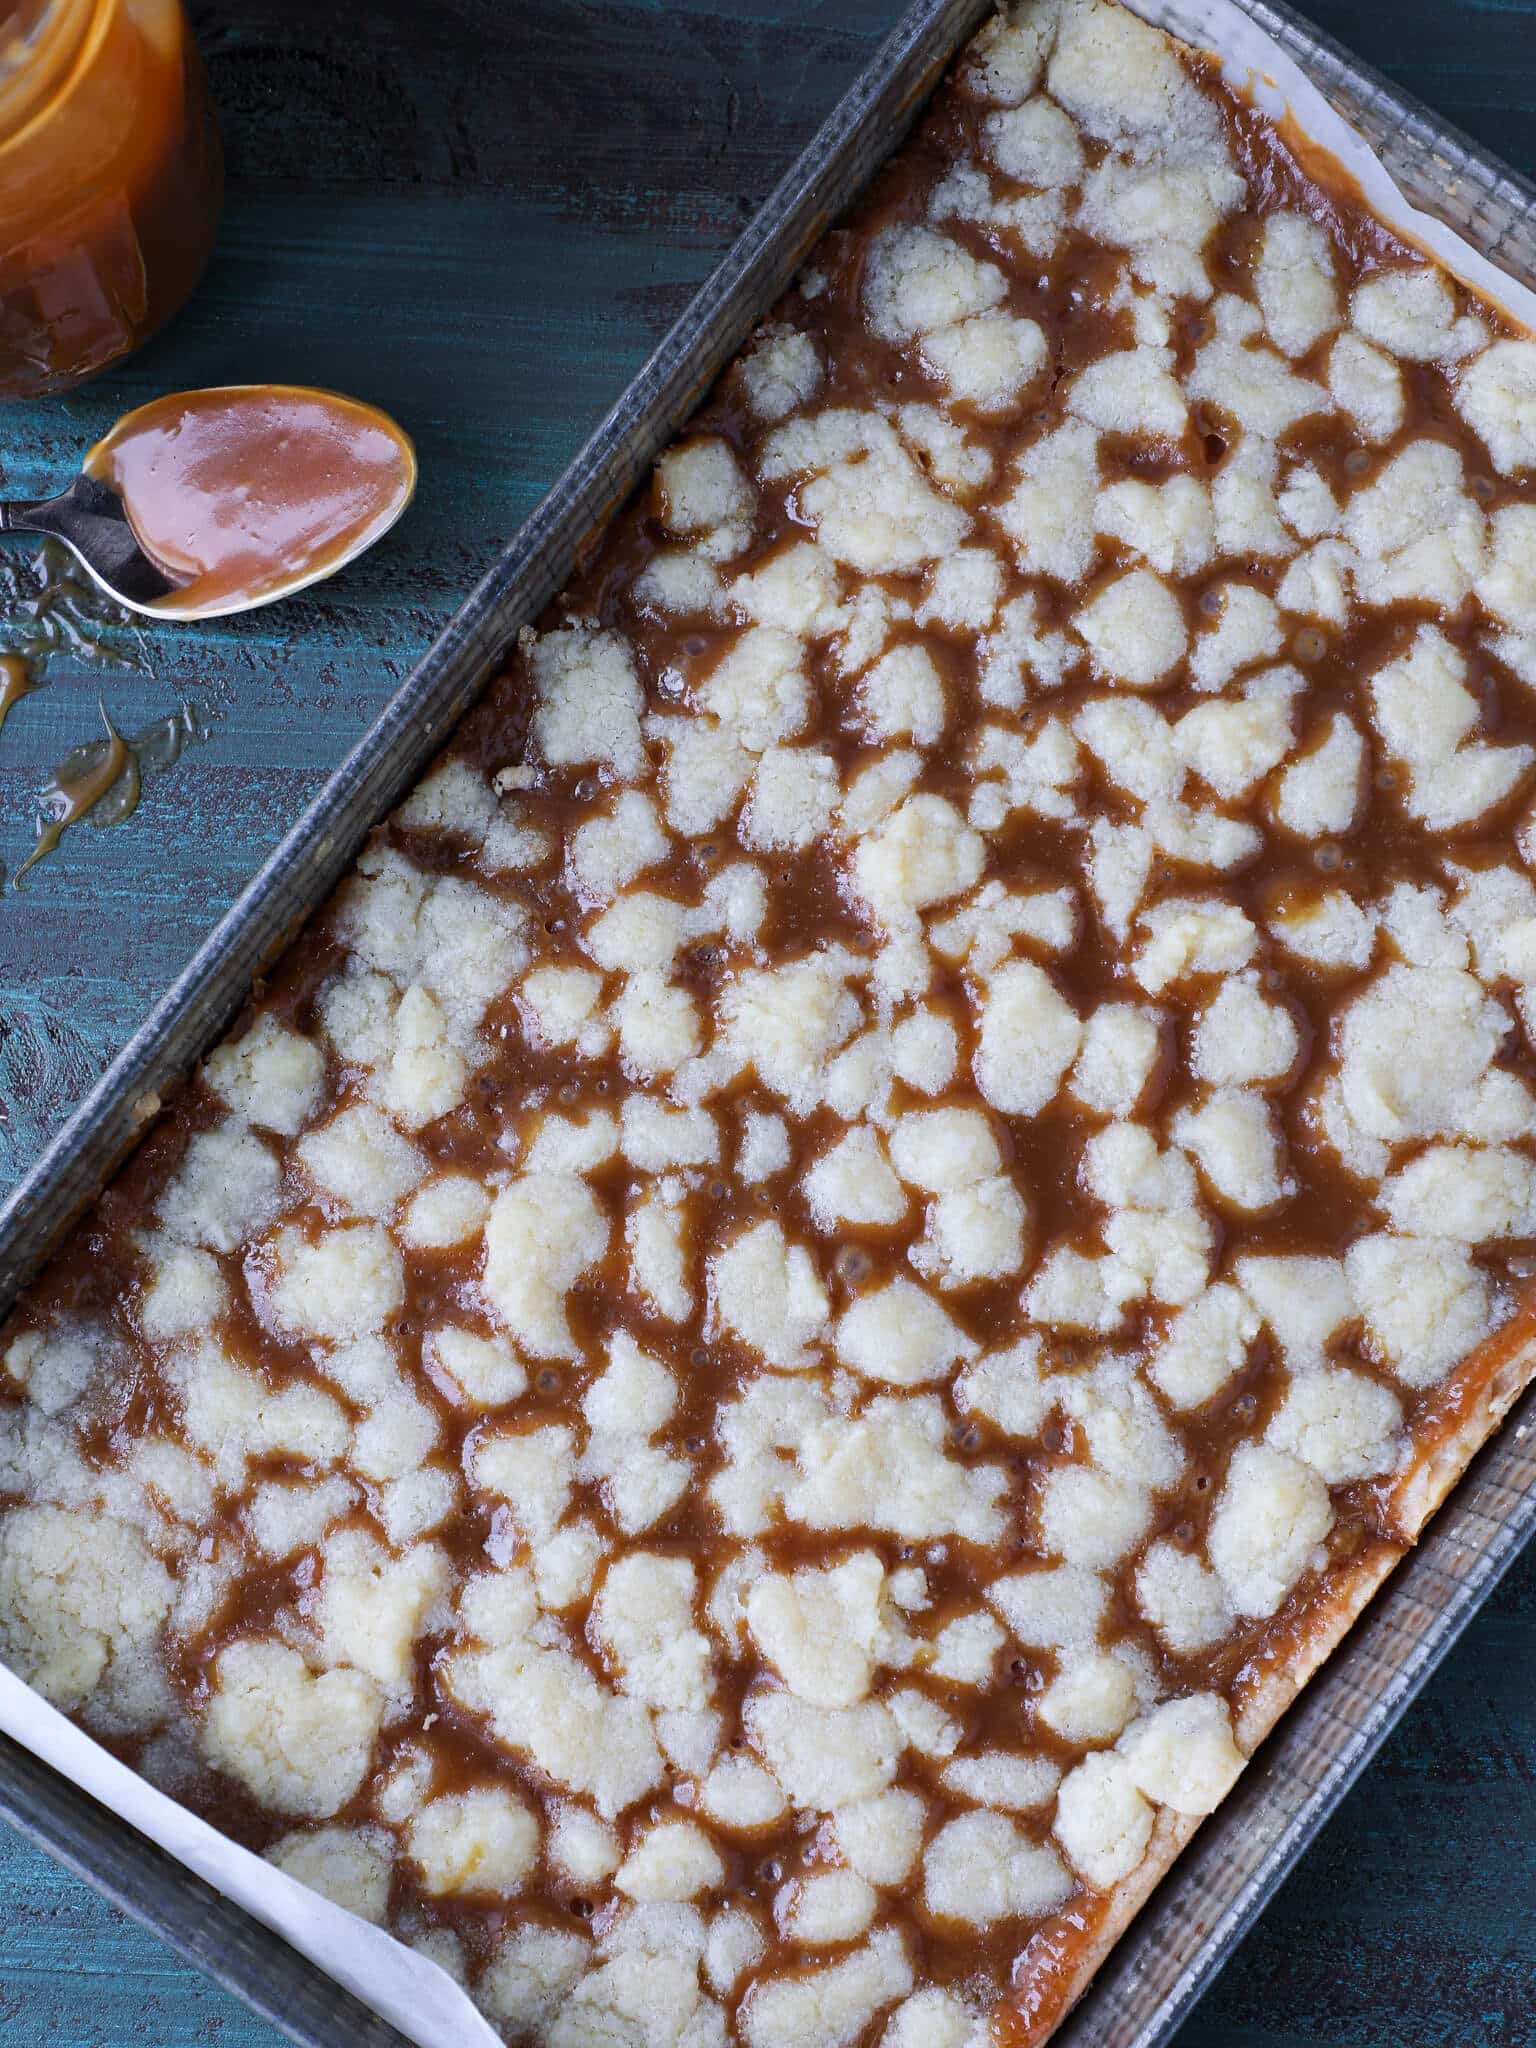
480	214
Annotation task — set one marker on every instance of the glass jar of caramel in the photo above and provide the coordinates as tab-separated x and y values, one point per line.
110	180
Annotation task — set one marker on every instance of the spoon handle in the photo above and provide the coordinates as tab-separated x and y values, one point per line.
90	520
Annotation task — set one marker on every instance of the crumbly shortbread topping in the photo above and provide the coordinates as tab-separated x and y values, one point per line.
715	1408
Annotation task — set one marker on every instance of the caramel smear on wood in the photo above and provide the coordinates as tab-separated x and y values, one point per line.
16	682
81	781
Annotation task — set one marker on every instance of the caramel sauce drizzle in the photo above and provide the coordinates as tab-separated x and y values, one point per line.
81	781
16	682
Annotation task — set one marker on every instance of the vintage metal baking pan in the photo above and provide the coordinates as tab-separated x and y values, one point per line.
1180	1941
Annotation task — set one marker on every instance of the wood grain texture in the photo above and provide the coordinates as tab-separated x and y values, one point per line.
481	214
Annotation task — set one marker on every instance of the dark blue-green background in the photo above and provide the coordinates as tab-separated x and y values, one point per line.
480	214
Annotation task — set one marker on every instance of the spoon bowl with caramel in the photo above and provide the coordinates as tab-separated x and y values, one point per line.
204	503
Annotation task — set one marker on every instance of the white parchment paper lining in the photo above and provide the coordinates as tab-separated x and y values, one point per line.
1254	62
413	1994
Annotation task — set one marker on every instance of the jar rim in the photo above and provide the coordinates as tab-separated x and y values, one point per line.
36	68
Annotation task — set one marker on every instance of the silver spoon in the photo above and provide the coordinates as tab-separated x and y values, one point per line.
173	507
90	520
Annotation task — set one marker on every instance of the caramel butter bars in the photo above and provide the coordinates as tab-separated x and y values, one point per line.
898	1185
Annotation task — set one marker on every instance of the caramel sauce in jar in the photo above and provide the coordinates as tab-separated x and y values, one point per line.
110	183
245	493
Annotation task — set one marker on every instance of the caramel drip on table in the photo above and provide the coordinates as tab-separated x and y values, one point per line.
73	795
16	682
52	610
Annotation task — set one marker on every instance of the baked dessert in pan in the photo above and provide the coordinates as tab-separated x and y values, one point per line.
896	1188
